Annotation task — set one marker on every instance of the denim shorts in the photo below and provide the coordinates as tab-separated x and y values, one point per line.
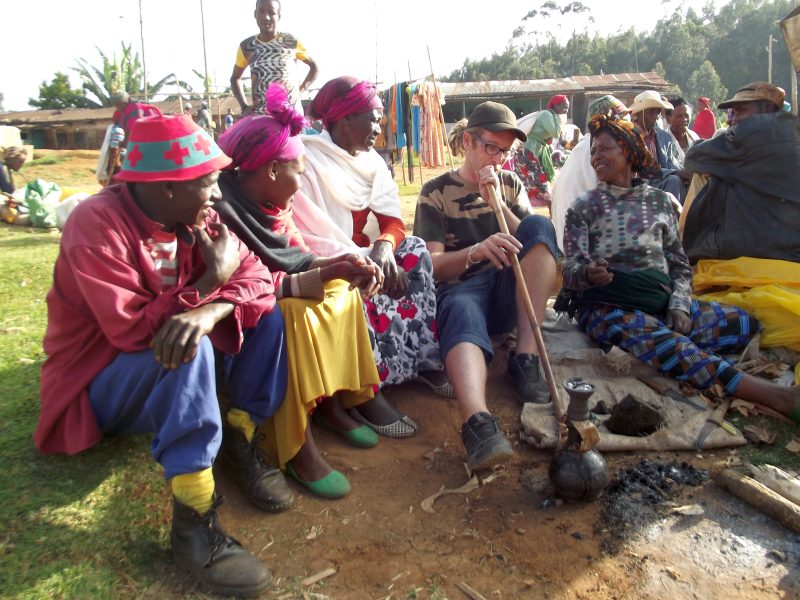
485	304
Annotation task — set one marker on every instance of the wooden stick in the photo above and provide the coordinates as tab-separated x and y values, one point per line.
760	496
469	591
558	409
311	580
441	111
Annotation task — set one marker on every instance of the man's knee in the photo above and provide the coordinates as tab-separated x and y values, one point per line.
534	230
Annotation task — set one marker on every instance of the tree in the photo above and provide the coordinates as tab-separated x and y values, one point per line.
58	94
123	74
705	81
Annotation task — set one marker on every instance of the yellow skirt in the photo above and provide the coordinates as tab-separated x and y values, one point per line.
328	352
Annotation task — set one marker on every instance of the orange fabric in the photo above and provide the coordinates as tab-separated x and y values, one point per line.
392	228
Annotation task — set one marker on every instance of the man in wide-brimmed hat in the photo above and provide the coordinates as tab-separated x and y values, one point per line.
152	300
647	107
744	199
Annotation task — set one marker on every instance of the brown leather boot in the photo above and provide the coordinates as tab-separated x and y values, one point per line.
218	562
265	485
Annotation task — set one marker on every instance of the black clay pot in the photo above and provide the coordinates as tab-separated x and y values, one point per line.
578	476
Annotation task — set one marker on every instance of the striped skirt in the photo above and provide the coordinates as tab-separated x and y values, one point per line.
694	357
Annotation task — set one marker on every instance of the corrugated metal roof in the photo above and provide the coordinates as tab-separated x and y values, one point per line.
73	115
620	83
478	90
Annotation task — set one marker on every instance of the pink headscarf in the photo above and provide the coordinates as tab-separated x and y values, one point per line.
257	139
704	102
556	100
342	97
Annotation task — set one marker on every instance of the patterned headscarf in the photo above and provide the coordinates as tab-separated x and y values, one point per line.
342	97
607	105
254	141
556	100
629	139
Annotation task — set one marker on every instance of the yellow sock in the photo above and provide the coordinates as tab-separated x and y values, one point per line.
195	489
241	420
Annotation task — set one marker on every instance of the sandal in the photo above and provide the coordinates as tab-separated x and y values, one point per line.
445	390
402	428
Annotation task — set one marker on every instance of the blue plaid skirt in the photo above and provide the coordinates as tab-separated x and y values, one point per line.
716	328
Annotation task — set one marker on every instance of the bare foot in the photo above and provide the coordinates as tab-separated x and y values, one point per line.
336	416
378	411
777	397
308	462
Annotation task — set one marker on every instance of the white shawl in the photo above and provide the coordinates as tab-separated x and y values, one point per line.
335	184
680	152
576	177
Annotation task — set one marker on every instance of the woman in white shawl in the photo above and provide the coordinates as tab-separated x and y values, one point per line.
678	119
349	203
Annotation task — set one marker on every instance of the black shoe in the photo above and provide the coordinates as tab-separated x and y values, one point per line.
485	443
218	562
265	485
524	370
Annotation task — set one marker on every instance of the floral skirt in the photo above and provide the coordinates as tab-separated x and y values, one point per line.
530	171
403	332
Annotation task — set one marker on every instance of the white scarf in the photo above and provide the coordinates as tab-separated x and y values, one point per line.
681	153
335	184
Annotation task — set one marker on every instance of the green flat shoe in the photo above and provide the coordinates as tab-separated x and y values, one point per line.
361	437
334	485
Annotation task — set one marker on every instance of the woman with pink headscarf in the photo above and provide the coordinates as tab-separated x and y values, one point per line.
332	368
349	203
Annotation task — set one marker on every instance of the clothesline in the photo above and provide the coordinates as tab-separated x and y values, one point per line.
412	111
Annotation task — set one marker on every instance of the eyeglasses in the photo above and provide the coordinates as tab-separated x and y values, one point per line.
492	149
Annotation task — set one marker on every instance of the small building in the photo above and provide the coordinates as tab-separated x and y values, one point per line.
85	128
526	96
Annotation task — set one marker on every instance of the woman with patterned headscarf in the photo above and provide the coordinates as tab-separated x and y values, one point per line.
349	203
577	176
628	280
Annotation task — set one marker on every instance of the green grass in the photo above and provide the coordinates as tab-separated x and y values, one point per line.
86	526
775	453
50	159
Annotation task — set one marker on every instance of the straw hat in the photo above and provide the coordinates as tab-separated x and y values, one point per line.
649	99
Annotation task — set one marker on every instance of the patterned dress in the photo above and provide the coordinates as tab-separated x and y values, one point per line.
269	62
634	229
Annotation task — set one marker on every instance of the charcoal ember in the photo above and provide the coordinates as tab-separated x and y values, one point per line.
639	496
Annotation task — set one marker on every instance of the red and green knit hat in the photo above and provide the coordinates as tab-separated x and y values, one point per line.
170	148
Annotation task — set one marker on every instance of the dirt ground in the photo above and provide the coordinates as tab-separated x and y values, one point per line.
507	539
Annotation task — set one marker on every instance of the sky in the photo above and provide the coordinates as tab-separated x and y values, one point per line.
363	38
